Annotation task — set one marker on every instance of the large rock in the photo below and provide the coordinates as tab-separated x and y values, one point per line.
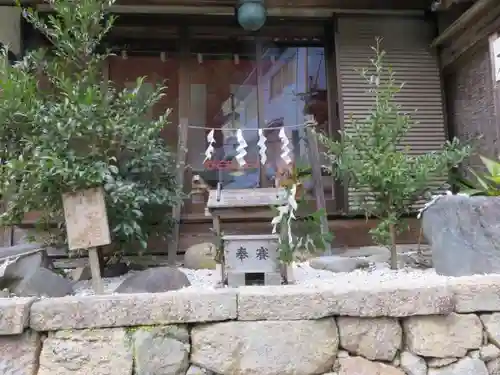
465	366
42	282
19	354
464	234
154	280
200	256
161	350
375	339
97	352
301	347
443	336
362	366
25	272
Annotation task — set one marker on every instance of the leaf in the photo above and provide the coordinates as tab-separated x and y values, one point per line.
492	166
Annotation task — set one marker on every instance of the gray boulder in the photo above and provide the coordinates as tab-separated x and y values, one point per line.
154	280
42	282
464	235
25	271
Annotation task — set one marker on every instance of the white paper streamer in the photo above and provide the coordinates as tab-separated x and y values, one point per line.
210	149
262	147
285	151
242	145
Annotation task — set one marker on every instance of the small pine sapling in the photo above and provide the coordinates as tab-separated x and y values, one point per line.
369	157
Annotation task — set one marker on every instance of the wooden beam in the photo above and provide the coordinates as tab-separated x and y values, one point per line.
480	31
182	135
333	105
468	17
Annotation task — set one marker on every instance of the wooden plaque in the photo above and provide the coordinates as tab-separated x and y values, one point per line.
239	198
86	219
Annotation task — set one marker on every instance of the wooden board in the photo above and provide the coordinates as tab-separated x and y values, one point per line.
239	198
86	219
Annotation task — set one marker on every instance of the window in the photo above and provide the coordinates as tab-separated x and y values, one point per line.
284	76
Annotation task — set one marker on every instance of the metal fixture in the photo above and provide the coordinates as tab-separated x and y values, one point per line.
251	14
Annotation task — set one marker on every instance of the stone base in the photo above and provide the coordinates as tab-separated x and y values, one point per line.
236	279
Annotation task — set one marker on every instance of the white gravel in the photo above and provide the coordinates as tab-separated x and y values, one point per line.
305	276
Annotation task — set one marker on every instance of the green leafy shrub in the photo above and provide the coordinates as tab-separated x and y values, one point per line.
77	132
368	158
486	184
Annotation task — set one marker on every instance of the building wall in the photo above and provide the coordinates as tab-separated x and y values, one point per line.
471	103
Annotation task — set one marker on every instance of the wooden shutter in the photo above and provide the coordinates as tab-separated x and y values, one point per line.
406	41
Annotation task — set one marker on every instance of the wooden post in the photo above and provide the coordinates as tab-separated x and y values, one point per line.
182	141
87	227
95	271
315	161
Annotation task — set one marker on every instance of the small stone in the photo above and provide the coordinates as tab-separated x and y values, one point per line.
493	367
335	263
473	354
154	280
413	364
342	354
441	362
374	339
465	366
489	352
450	335
200	256
157	353
491	324
19	354
362	366
42	283
100	351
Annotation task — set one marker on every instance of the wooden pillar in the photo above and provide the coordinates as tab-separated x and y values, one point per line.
183	122
334	121
494	44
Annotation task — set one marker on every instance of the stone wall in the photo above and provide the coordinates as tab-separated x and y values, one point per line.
450	328
471	103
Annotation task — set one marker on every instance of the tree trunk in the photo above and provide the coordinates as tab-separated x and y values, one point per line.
394	251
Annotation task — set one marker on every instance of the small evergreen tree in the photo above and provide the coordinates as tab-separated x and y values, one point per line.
76	132
368	158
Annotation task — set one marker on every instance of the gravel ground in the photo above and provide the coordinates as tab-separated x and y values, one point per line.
306	276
